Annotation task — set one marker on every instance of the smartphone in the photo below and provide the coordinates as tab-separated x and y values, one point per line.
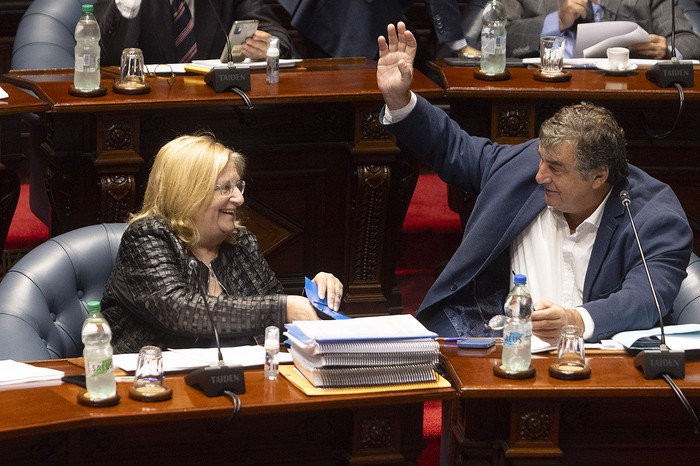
239	32
78	380
476	342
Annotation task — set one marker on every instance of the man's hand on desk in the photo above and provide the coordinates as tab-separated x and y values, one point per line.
549	318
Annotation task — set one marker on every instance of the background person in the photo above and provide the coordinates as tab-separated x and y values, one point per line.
530	19
549	208
148	25
187	238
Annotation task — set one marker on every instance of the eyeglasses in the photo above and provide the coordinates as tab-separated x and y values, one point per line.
226	189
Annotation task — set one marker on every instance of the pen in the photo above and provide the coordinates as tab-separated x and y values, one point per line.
453	339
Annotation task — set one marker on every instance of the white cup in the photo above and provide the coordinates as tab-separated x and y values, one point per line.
552	54
618	58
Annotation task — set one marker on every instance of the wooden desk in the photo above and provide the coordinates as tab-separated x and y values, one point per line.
327	189
615	417
511	111
277	424
11	151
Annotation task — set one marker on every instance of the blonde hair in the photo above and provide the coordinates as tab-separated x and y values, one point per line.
182	180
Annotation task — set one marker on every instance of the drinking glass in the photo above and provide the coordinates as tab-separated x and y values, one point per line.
552	54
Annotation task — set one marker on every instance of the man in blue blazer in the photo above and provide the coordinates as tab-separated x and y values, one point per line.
549	208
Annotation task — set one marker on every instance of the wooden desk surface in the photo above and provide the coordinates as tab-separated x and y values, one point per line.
459	81
28	411
611	375
19	101
308	82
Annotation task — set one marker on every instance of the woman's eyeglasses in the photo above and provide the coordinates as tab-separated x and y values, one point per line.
226	189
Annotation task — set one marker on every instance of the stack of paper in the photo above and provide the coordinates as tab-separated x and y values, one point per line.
363	352
13	372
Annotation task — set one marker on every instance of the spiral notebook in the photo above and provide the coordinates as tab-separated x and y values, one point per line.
334	377
365	358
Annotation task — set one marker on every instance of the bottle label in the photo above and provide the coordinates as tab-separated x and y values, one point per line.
86	63
513	338
98	369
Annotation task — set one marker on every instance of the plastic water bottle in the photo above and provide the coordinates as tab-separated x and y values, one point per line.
97	354
272	349
273	61
87	51
517	331
493	38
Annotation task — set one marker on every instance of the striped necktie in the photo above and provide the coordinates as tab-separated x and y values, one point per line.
183	31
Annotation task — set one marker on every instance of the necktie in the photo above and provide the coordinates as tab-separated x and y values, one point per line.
183	31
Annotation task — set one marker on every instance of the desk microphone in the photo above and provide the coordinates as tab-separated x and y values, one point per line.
214	380
673	71
228	77
652	362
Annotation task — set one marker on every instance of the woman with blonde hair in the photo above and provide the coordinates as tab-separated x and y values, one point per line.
187	245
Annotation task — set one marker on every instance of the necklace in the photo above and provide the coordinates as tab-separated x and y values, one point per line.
215	287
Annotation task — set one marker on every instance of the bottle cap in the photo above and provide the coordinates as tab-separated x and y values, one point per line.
273	46
88	8
272	337
519	279
93	306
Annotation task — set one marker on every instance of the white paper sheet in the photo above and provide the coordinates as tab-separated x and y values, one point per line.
13	372
593	39
176	360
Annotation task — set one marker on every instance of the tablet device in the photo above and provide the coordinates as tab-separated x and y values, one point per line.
239	32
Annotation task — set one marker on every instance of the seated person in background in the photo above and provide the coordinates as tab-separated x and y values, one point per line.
349	28
187	238
149	25
530	19
549	208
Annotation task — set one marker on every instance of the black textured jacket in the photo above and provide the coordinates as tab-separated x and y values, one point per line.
153	294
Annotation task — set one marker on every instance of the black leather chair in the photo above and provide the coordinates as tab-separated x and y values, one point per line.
686	307
43	296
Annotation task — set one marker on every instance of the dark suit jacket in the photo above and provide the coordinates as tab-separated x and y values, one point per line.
349	28
525	19
616	291
152	29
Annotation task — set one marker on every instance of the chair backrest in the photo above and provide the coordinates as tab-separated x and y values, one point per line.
43	296
44	37
686	307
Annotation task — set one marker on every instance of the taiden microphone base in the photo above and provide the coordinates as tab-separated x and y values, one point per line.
214	380
224	78
655	363
668	72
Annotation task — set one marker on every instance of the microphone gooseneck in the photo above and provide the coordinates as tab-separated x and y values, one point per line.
662	362
193	266
229	49
626	201
221	379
